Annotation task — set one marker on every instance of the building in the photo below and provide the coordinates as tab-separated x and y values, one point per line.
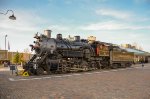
8	56
139	55
3	56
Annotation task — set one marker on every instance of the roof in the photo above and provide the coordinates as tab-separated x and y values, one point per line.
136	52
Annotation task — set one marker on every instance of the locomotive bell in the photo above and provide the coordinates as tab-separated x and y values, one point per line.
47	33
91	39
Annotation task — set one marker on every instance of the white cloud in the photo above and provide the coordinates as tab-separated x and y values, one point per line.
59	28
102	26
114	13
112	25
26	21
21	30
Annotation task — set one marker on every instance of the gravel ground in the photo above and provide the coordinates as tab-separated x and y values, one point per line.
130	83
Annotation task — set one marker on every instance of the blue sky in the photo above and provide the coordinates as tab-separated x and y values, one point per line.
114	21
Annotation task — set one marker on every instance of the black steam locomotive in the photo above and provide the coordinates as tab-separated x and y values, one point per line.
53	55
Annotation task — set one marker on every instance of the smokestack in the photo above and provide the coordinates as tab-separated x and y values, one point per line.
77	38
47	33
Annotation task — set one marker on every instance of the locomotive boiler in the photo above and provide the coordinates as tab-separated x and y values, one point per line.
59	55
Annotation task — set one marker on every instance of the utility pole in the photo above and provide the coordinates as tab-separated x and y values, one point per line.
5	47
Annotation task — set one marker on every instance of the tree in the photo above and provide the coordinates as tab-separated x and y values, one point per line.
21	58
16	58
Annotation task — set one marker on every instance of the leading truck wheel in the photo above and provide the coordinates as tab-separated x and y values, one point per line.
40	71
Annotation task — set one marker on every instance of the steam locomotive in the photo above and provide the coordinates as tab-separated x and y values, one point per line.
60	55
